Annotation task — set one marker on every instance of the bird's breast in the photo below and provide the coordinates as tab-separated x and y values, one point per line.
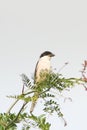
42	66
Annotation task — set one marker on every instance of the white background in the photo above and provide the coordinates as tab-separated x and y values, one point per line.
29	27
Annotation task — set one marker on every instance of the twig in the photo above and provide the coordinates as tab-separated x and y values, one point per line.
63	66
12	106
24	94
23	89
9	125
29	92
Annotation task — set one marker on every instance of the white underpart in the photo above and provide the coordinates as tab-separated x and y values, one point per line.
43	64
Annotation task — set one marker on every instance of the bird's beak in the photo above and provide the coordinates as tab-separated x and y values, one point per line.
52	55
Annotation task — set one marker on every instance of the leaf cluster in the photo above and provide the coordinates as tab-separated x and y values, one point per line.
44	90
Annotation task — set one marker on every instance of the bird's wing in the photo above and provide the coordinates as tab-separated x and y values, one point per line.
35	72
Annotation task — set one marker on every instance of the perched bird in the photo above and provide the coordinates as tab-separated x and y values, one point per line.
43	65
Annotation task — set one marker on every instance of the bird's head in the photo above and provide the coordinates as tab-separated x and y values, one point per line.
47	54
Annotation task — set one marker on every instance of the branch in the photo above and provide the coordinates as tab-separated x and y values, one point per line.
12	106
66	63
24	94
11	123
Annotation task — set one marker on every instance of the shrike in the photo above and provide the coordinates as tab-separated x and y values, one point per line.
43	65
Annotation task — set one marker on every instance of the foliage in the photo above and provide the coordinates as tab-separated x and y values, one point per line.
48	89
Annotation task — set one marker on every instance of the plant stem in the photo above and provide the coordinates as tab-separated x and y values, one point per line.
12	106
15	119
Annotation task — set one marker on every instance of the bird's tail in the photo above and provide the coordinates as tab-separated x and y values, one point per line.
34	102
32	106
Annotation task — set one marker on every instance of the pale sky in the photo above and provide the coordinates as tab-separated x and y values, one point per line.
29	27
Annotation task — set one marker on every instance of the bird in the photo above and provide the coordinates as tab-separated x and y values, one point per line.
43	65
